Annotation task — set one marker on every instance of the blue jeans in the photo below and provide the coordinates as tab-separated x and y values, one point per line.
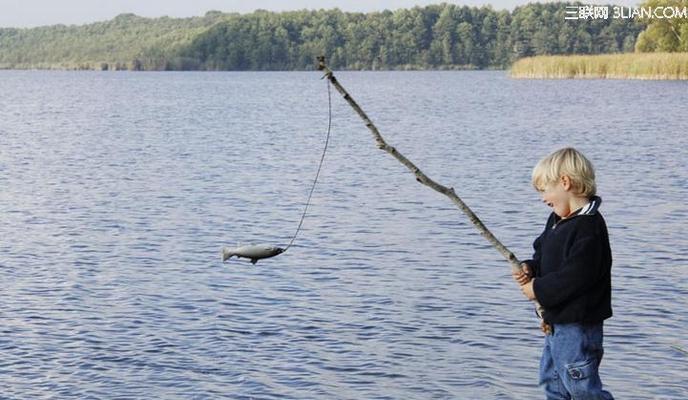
570	362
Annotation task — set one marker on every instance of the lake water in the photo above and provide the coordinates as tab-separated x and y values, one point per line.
118	190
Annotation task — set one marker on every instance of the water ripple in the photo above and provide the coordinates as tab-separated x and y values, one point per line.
115	205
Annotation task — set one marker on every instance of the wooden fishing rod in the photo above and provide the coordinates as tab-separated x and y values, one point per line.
421	177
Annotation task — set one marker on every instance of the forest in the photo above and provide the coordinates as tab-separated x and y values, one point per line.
442	36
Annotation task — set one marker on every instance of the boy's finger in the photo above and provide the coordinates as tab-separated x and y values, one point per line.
525	268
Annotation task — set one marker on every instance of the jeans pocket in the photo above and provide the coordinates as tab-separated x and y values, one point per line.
582	369
583	380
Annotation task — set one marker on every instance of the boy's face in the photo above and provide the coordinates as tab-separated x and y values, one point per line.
558	195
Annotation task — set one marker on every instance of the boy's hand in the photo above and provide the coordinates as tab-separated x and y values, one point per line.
524	275
545	328
527	290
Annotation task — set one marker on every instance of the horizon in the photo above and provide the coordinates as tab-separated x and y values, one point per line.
37	13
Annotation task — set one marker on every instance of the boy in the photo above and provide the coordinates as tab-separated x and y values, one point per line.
570	276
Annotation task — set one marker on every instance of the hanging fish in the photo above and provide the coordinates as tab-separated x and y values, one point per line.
253	252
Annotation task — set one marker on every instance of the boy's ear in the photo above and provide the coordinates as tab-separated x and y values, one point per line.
566	182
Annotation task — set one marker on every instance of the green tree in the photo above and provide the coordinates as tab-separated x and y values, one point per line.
444	32
664	34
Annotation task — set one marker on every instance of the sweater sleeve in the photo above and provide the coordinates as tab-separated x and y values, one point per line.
534	262
580	269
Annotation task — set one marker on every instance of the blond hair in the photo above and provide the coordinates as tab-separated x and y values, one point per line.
566	162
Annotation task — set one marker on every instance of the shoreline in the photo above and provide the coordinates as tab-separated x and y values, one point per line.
88	67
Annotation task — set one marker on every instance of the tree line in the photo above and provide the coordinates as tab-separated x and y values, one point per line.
435	36
442	36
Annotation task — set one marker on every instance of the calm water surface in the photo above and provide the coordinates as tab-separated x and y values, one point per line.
117	191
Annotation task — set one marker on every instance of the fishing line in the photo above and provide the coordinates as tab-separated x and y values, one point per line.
322	159
259	252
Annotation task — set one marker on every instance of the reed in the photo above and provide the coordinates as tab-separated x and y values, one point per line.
605	66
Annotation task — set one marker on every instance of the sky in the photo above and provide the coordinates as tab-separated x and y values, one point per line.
30	13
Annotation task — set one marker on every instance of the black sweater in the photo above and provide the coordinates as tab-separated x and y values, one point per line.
572	264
